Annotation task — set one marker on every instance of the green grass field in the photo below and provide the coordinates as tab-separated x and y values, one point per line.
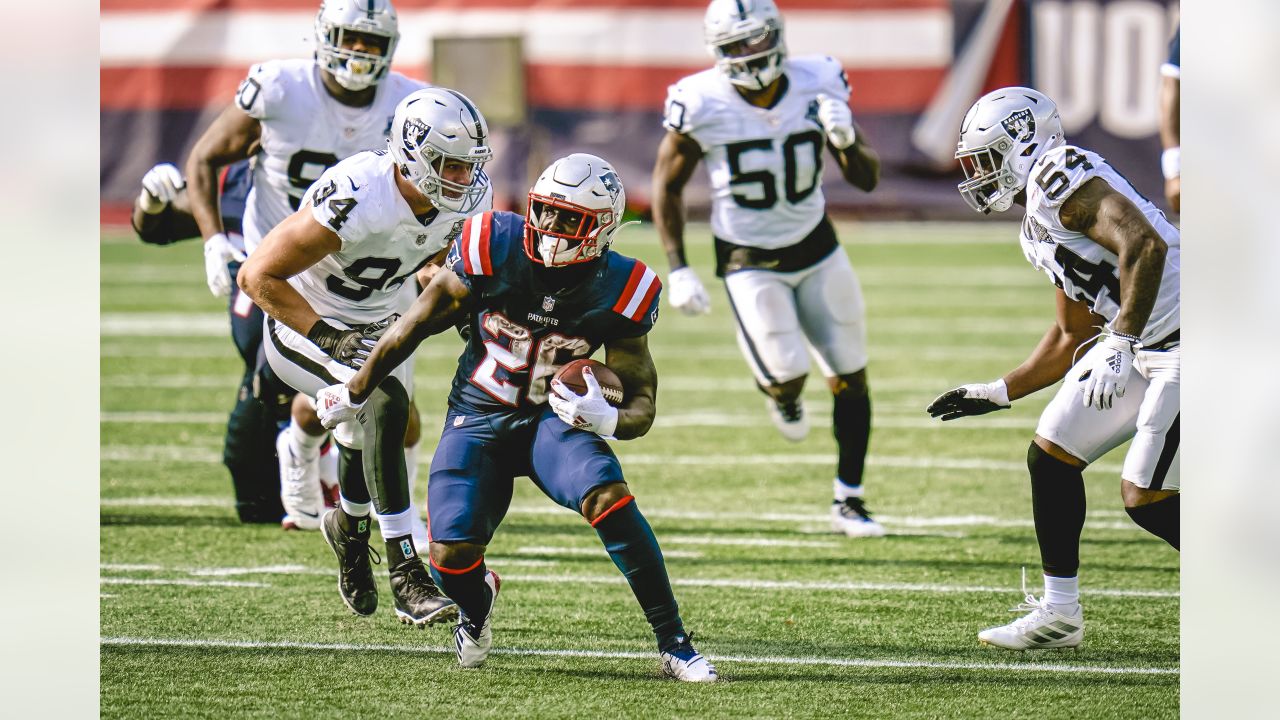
201	616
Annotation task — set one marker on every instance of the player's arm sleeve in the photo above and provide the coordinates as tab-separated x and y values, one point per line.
335	203
261	92
637	307
682	113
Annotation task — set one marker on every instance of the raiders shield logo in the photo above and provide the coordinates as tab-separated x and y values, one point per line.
1020	125
548	303
415	133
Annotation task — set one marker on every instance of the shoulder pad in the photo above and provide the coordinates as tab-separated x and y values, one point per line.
638	294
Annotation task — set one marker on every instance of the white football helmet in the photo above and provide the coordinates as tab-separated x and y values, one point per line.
1000	139
373	19
575	208
432	131
745	38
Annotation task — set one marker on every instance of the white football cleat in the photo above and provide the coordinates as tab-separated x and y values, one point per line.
682	662
790	418
851	518
300	491
1043	627
473	649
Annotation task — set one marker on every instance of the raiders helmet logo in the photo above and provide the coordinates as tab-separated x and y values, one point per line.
1020	125
415	133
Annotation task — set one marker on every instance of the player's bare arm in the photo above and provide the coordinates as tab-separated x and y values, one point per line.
294	245
631	360
1111	220
438	308
678	156
859	163
231	137
1071	334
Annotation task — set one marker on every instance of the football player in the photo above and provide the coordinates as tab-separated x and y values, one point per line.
296	118
541	291
162	216
333	276
762	121
1114	259
1170	122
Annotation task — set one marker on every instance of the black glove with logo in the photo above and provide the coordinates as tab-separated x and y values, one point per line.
349	347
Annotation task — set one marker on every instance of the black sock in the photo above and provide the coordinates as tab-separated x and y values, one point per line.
634	549
1057	504
352	486
1160	519
851	426
383	421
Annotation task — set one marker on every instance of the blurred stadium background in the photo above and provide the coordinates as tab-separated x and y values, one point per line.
555	76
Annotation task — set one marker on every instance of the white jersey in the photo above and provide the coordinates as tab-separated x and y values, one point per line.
1082	268
765	164
304	131
383	243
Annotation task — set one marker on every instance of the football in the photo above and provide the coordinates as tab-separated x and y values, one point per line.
610	384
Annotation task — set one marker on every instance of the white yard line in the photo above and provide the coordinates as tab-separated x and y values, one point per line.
180	581
561	578
618	655
595	552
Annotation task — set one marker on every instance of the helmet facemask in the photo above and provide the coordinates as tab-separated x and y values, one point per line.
990	183
558	232
751	59
355	45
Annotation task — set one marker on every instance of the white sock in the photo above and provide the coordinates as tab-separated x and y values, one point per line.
1063	592
397	525
354	509
305	447
843	492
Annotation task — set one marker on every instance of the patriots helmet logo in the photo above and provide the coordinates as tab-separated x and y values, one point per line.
1021	125
611	183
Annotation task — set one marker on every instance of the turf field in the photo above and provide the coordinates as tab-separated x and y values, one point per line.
203	616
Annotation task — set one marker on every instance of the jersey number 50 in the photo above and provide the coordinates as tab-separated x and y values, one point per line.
767	196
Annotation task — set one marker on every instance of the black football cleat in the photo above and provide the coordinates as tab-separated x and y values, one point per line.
418	601
355	574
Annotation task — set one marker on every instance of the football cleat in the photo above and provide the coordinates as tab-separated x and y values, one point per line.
789	418
355	575
682	662
418	601
1044	626
851	518
300	491
474	642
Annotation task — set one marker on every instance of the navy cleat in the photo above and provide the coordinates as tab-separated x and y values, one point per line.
682	662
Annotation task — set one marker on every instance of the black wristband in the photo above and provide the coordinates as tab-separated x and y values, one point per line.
324	336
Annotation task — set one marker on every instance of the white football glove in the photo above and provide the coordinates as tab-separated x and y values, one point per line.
687	293
590	412
1108	371
837	121
975	399
159	187
218	251
334	406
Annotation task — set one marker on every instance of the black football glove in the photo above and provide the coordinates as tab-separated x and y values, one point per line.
349	347
976	399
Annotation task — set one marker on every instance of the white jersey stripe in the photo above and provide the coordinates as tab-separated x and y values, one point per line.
474	262
642	288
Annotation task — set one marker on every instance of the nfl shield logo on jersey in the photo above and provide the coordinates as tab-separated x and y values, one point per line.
548	303
420	240
1020	125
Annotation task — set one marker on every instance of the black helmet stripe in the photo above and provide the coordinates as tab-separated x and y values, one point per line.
475	114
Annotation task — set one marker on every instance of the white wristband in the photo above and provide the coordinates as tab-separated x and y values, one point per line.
1171	163
999	392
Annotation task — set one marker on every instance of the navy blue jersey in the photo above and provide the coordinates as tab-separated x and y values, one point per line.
1175	49
521	331
235	190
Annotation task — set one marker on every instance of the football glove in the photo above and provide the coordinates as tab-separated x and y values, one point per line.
350	347
590	412
334	406
837	121
218	251
687	293
159	187
376	330
975	399
1107	370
